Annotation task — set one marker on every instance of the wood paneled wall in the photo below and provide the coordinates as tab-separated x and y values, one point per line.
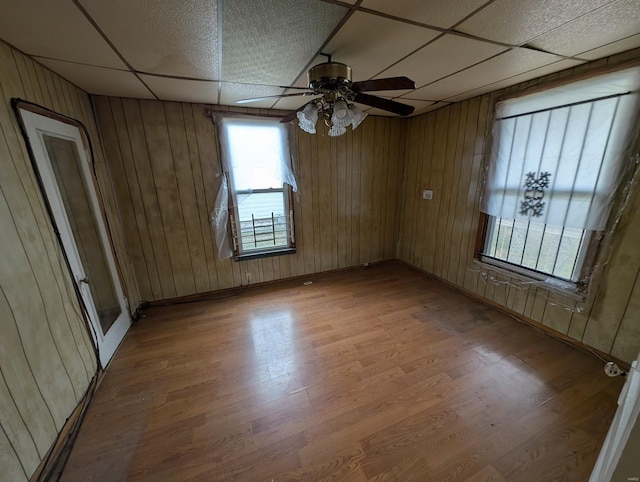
444	152
46	359
164	156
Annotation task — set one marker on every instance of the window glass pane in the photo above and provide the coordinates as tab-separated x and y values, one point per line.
262	220
533	246
517	242
568	253
544	248
549	249
256	153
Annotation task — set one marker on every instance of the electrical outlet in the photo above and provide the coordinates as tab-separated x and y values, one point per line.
427	194
612	370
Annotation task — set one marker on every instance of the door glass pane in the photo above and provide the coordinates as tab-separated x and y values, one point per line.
77	203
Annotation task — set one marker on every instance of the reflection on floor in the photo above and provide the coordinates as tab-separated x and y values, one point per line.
377	374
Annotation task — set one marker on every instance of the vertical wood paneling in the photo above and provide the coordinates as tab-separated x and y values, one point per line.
132	208
452	156
345	212
46	359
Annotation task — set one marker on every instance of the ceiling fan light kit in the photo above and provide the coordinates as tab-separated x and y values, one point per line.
331	81
308	117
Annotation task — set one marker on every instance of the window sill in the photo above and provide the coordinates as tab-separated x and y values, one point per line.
265	254
524	276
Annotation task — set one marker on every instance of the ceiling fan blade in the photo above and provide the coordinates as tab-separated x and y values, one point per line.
391	83
256	99
292	115
384	104
293	87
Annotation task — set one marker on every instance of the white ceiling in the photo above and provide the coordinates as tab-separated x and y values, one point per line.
221	51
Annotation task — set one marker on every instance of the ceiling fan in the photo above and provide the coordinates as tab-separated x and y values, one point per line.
335	92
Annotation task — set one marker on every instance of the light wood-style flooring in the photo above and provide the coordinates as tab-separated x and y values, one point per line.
366	375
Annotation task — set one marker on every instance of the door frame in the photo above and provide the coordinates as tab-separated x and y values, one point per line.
68	128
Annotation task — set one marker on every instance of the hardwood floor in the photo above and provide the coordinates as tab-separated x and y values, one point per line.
367	375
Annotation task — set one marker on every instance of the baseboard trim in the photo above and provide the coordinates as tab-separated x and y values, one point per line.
206	296
52	465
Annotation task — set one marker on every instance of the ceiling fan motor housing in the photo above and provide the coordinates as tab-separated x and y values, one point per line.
329	75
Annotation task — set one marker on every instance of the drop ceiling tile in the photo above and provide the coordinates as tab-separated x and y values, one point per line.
182	90
302	80
44	29
370	43
432	107
605	25
99	80
514	62
516	79
271	42
430	12
518	21
612	48
232	92
163	36
446	55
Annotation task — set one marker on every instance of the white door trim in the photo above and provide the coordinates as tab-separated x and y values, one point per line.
36	126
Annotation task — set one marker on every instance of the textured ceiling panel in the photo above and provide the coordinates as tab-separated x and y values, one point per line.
514	62
434	106
232	92
430	12
302	80
98	80
518	21
445	56
516	79
54	29
181	90
270	42
605	25
260	45
628	43
163	36
369	43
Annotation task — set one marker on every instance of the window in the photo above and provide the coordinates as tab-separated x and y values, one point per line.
557	159
258	167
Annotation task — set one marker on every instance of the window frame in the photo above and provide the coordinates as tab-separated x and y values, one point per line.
592	247
586	255
239	253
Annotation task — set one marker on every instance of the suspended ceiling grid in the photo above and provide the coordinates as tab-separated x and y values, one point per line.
221	51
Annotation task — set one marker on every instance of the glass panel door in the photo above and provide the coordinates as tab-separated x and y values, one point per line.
68	184
77	205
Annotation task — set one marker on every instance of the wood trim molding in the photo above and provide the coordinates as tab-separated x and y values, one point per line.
55	459
228	292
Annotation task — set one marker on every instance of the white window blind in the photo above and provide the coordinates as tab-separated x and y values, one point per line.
557	155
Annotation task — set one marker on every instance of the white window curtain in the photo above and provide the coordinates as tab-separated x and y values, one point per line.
558	155
247	177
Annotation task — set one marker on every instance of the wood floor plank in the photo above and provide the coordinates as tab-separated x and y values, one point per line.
372	374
